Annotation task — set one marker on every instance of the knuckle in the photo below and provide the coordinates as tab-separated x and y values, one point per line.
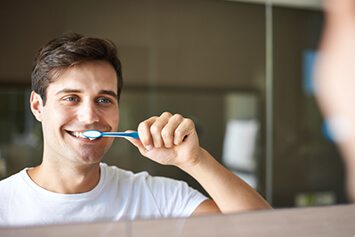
178	117
188	120
165	114
142	126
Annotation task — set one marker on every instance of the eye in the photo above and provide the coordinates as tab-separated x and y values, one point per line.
104	100
71	98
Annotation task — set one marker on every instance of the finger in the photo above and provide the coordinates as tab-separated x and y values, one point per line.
144	133
157	127
169	130
137	143
185	128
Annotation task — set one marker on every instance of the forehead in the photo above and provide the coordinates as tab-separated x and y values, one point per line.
92	76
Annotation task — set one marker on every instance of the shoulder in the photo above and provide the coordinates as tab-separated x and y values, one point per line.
10	181
9	187
12	185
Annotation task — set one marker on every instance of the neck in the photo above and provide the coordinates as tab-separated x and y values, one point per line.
66	178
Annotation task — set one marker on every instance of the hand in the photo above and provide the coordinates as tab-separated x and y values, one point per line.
169	140
335	74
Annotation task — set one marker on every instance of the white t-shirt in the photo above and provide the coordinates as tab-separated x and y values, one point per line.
119	195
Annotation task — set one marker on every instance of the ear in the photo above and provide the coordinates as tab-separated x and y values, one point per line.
36	104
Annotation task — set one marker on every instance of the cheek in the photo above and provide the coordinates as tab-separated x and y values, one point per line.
56	116
113	119
116	119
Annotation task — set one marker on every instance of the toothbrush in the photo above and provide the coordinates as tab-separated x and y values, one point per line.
94	134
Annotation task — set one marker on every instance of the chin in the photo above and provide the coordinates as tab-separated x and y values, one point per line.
87	156
88	153
91	158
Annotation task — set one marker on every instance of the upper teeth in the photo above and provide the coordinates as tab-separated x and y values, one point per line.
78	134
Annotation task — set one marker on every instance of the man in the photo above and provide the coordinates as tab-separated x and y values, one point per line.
76	84
335	80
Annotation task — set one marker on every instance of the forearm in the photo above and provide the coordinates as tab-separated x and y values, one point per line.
348	153
229	192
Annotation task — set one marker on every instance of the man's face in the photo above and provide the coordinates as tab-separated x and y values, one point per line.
84	97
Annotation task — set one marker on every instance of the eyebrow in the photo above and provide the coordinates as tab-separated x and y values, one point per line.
105	92
108	92
68	91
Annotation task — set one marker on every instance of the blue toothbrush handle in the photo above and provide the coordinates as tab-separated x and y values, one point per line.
121	134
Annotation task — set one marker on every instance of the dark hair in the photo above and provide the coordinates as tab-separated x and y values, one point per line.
68	50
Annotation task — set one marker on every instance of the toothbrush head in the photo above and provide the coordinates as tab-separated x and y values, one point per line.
92	134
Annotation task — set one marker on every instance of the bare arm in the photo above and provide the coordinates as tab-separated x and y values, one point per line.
172	140
229	192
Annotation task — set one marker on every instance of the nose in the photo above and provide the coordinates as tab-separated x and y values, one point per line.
88	113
